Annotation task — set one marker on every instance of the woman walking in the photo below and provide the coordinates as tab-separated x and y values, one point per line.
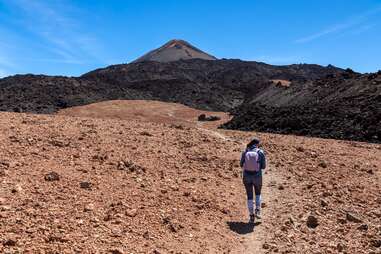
253	161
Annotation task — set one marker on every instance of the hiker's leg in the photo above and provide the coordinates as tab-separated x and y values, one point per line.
258	189
247	181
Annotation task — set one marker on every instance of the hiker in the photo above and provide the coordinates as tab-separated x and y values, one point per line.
253	161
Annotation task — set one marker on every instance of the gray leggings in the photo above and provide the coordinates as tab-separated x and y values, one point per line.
252	182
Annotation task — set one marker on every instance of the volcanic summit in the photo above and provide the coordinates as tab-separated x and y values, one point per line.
175	50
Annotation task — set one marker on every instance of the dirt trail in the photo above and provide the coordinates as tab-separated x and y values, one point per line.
252	236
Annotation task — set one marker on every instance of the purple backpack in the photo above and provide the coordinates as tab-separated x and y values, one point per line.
252	161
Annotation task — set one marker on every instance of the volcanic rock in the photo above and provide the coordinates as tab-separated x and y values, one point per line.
323	164
353	218
266	246
89	207
338	101
312	221
16	189
52	176
376	243
131	212
324	203
10	242
203	117
85	185
340	247
116	251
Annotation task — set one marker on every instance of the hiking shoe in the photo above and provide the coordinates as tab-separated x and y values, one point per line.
258	214
252	218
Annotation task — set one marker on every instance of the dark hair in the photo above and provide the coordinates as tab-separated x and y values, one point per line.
254	142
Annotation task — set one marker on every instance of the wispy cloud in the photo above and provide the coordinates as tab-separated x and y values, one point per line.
350	23
63	35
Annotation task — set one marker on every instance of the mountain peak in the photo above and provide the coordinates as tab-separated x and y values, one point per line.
175	50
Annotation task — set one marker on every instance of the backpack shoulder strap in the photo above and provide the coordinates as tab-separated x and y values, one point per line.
258	151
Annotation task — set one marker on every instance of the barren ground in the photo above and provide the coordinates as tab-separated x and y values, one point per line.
146	111
163	186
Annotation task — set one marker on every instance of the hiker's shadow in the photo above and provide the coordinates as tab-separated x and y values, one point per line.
242	228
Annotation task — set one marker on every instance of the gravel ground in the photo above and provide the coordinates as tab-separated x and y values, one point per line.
87	185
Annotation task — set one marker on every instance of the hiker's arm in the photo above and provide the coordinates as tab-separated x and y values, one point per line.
262	160
242	159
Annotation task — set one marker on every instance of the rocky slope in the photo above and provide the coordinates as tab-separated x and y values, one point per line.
175	50
218	85
72	184
213	85
346	105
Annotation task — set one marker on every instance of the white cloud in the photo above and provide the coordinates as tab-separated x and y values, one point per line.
330	30
340	27
64	36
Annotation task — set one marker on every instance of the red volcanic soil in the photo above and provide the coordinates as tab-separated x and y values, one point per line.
146	111
108	185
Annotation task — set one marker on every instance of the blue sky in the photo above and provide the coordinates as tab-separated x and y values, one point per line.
68	37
